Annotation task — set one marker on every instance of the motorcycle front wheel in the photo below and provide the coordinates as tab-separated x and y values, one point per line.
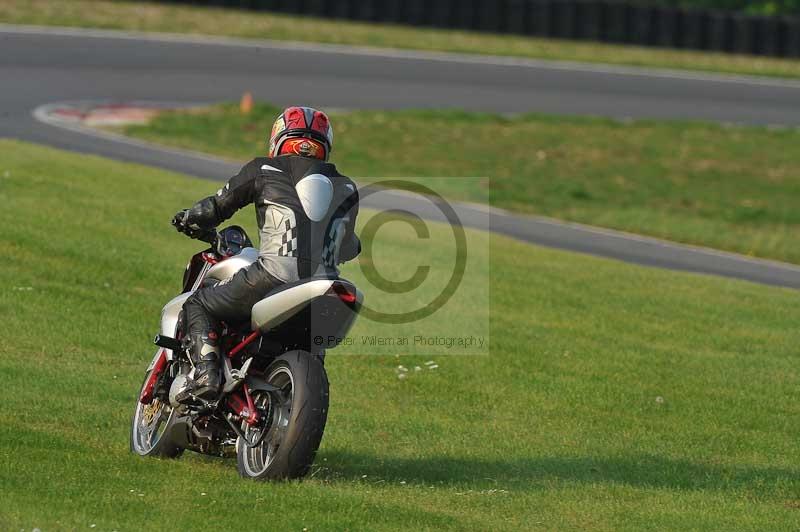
292	420
149	425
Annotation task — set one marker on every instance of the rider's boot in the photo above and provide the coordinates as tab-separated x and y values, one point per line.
205	357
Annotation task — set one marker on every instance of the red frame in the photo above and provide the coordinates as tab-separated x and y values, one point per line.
211	258
146	397
244	343
243	407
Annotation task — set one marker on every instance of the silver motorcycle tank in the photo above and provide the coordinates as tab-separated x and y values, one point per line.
219	272
227	268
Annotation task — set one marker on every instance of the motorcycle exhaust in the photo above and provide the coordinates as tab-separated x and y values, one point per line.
179	432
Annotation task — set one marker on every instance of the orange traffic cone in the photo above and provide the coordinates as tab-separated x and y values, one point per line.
246	103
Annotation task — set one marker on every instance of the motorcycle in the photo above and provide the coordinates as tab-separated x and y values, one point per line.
273	403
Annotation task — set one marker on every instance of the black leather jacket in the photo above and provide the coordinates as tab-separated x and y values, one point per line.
306	213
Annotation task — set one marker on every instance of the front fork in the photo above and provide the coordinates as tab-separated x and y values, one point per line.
146	397
164	342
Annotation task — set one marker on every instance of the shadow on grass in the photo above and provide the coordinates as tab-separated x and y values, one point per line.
637	471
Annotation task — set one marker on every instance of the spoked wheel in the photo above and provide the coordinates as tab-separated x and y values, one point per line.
283	444
148	426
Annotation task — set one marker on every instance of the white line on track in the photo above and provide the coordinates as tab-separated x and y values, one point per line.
395	53
43	114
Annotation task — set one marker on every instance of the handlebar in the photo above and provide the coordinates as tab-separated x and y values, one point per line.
210	236
229	241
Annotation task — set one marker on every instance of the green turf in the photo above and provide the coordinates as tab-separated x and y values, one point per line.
143	16
560	427
731	188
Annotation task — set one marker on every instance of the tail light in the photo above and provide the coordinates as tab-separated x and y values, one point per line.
346	293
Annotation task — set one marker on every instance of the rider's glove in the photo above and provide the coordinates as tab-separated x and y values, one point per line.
182	224
179	219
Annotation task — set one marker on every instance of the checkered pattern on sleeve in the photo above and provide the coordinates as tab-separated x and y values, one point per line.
329	249
289	240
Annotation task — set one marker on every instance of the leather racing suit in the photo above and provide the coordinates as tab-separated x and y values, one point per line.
306	213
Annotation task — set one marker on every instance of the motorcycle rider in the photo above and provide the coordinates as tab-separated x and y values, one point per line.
306	211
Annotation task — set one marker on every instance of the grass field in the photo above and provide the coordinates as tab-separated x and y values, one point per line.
728	188
248	24
614	398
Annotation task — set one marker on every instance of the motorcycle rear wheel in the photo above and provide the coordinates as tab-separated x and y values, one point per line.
295	419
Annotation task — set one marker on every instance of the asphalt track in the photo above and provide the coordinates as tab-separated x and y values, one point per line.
41	66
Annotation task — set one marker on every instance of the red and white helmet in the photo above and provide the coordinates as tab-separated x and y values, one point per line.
301	131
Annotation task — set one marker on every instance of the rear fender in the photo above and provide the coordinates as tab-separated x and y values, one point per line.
256	383
277	308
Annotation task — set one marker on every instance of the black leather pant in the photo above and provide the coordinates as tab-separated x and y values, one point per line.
229	301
